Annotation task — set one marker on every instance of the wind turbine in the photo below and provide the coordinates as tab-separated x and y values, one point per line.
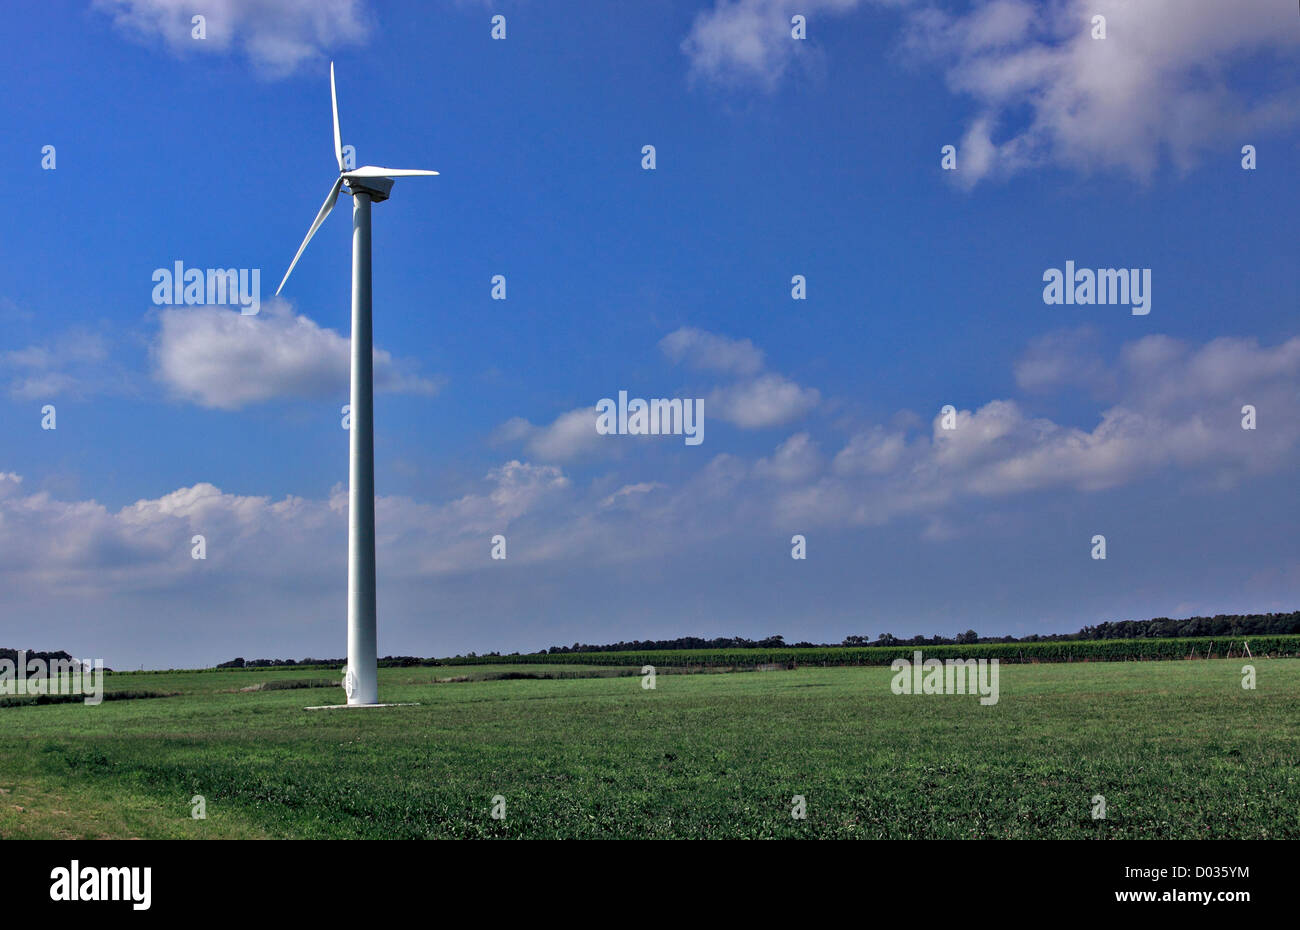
368	184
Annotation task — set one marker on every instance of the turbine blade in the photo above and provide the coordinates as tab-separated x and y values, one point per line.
374	171
334	104
320	218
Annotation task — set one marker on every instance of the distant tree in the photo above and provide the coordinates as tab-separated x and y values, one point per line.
1223	625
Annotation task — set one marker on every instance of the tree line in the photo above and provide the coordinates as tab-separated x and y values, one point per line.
1220	625
1158	628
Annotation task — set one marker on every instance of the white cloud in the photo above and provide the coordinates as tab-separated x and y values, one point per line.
1161	81
626	495
77	364
226	360
757	403
1162	84
570	436
1170	374
1176	419
83	546
519	486
1180	407
1064	358
1178	415
711	352
796	459
874	452
749	41
276	36
758	400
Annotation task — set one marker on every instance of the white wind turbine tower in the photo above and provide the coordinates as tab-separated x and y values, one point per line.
368	184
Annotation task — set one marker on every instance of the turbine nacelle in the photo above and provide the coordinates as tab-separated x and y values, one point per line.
372	180
377	181
376	188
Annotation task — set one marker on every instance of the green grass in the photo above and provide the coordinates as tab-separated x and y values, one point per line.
1179	749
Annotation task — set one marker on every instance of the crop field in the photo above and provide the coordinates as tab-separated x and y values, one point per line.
1087	650
1177	749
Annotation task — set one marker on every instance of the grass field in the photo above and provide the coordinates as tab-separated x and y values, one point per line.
1178	749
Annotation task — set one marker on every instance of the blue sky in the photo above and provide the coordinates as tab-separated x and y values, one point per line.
775	157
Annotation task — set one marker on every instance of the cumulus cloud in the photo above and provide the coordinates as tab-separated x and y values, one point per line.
757	403
84	546
1161	82
1164	83
1064	358
1177	417
712	352
1176	410
218	358
1177	414
568	437
748	41
759	399
1180	408
1169	374
276	36
627	495
794	460
76	364
875	452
